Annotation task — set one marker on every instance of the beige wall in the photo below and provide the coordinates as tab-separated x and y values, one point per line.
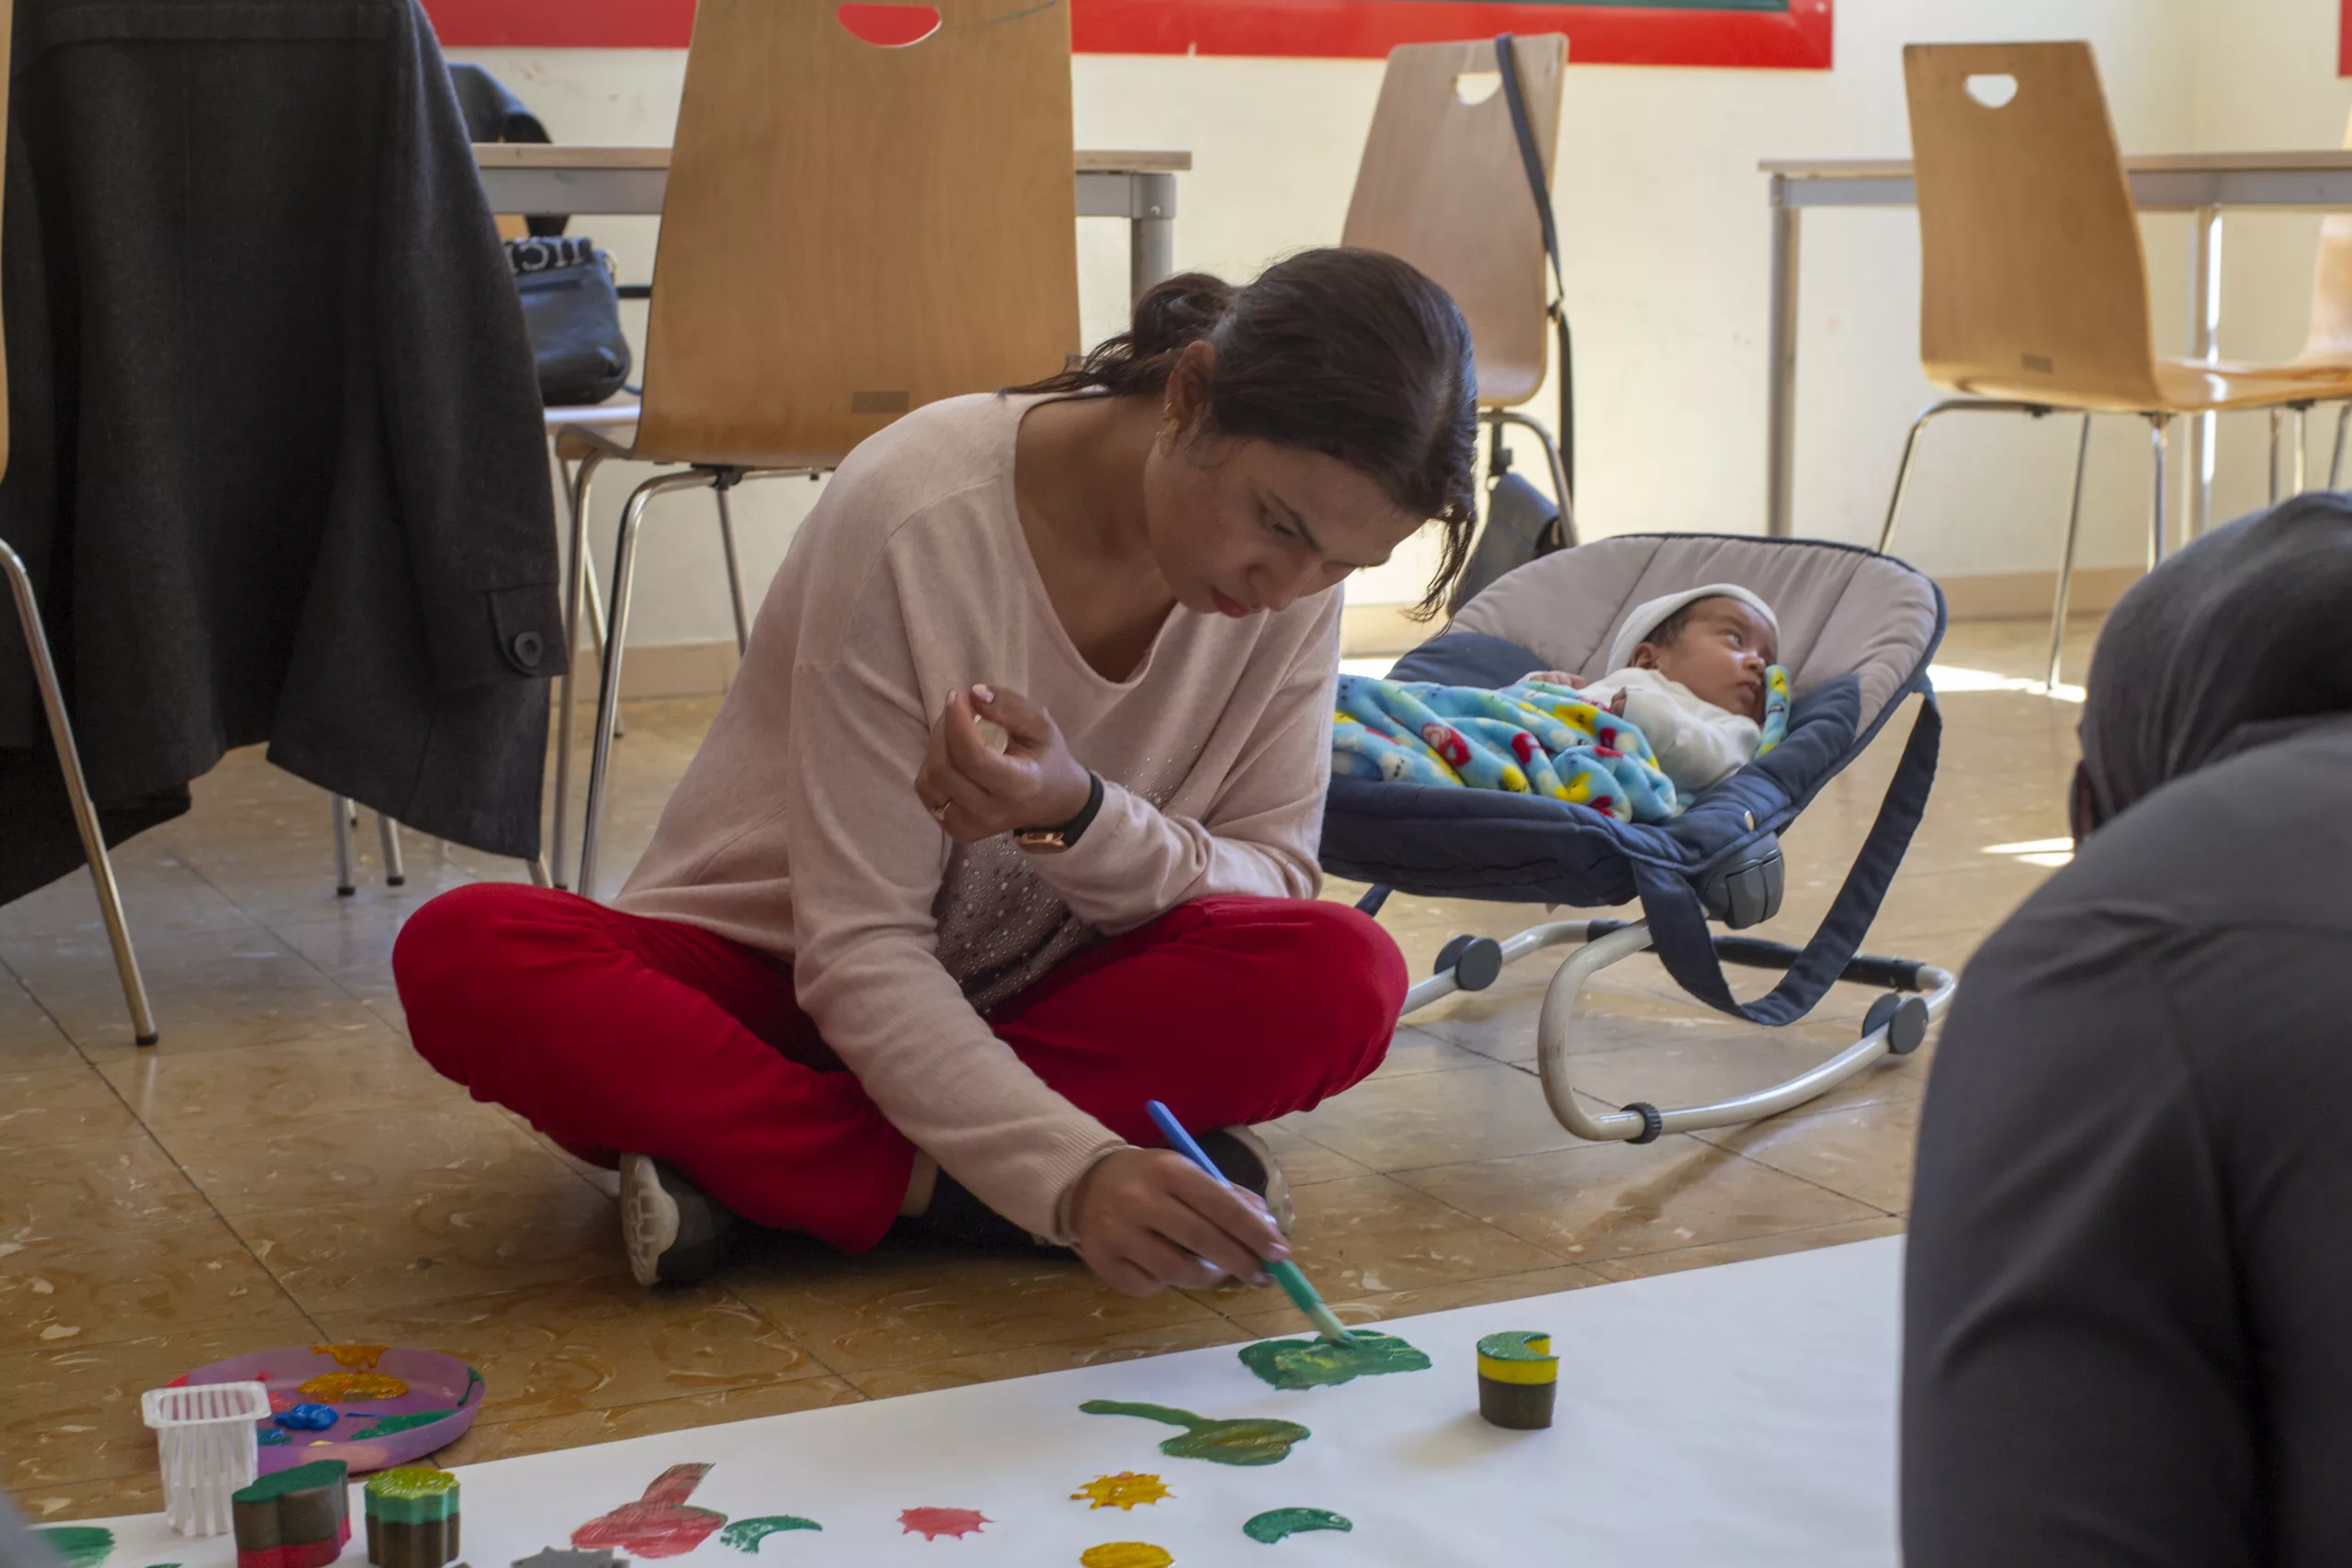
1663	220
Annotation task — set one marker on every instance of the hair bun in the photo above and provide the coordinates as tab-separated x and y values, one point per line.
1177	311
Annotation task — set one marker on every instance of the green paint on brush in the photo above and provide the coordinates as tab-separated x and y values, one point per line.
1273	1525
1316	1363
81	1546
1248	1440
745	1535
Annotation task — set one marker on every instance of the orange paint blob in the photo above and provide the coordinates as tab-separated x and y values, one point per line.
337	1388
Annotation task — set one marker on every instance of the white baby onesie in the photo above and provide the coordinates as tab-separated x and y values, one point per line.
1697	743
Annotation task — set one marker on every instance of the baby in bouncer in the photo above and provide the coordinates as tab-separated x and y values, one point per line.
1689	671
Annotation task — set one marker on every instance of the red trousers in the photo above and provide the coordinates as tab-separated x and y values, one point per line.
611	1033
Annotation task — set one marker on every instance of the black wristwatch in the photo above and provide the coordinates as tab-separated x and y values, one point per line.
1054	841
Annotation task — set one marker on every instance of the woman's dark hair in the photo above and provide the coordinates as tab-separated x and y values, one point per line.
1352	354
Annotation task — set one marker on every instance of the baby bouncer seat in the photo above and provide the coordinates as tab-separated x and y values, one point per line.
1858	630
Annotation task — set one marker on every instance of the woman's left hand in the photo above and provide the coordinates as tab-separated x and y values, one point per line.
978	793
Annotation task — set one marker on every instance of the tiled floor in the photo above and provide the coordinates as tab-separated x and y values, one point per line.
284	1169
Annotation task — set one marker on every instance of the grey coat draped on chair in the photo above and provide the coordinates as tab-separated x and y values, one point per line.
276	464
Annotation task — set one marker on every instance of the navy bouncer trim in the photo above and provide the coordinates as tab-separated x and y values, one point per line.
1542	851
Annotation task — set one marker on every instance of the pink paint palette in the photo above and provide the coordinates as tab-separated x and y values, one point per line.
392	1404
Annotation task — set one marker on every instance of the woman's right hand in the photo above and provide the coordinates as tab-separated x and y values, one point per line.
1147	1219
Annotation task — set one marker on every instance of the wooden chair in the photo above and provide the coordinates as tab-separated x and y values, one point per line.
851	231
52	702
1443	184
2327	347
2033	287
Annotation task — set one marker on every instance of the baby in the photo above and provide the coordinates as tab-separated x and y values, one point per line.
1688	669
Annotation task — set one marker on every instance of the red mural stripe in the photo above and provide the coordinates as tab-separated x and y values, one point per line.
1799	38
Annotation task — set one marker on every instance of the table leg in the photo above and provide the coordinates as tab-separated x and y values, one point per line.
2204	332
1780	391
1151	230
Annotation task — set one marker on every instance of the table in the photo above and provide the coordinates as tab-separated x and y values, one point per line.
527	177
2200	184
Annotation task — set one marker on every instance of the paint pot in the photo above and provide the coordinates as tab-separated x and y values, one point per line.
413	1517
295	1518
1518	1380
207	1444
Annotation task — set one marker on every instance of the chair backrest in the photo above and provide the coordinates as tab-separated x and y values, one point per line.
1443	184
2329	339
2033	280
852	230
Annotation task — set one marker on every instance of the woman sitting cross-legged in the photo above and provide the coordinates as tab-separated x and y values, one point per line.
1008	823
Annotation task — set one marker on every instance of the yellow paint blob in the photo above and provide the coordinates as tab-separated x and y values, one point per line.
358	1357
1122	1491
1125	1554
334	1388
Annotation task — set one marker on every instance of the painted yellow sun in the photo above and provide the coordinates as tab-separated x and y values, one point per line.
1122	1491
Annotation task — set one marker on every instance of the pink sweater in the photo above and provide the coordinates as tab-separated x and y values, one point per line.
796	829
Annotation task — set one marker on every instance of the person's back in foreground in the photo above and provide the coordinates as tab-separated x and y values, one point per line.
2130	1266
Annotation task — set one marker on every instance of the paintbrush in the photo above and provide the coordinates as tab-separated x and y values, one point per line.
1285	1273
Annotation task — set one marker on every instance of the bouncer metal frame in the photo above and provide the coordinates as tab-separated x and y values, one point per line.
1917	995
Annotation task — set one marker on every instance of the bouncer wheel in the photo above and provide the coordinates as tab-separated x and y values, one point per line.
1906	1019
1653	1124
1475	961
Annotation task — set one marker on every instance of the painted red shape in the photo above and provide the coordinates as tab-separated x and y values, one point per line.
932	1523
889	27
659	1524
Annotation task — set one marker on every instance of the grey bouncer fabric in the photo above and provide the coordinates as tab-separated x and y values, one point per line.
1842	611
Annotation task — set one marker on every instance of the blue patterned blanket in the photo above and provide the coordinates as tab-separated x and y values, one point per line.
1531	738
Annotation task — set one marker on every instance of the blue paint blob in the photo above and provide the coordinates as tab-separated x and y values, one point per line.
275	1437
306	1418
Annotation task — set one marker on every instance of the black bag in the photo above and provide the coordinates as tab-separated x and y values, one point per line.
1522	525
572	312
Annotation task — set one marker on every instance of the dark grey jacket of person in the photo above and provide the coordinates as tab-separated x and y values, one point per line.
2129	1306
276	454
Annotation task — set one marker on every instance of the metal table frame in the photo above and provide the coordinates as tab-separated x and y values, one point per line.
526	178
2200	183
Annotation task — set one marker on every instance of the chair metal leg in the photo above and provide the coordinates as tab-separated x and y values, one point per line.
387	834
2066	559
616	640
2276	415
1911	446
2335	462
1551	459
346	885
77	791
575	584
734	568
538	869
2159	425
2303	444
